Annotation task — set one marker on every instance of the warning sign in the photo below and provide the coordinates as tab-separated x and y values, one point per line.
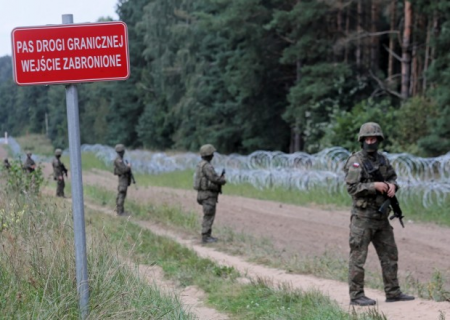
71	53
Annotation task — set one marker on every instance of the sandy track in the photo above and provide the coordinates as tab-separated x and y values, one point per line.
304	231
309	232
411	310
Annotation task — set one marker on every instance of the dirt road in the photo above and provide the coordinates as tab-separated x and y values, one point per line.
307	232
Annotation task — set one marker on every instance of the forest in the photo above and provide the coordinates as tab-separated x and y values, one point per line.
246	75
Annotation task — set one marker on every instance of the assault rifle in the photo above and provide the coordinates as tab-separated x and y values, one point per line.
64	169
131	174
393	202
390	202
221	175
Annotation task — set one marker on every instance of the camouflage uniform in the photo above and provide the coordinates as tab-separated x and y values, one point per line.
208	184
6	164
124	172
367	224
29	164
59	170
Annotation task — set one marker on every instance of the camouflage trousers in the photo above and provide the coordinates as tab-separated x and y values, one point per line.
209	213
60	188
363	231
120	199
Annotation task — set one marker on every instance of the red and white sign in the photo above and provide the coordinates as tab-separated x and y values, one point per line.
70	53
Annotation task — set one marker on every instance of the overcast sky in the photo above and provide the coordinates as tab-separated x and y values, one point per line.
25	13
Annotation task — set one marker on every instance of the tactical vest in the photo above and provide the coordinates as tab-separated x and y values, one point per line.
367	206
201	182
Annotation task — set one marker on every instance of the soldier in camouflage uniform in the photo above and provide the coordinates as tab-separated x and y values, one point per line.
6	164
208	184
367	224
29	164
123	170
59	169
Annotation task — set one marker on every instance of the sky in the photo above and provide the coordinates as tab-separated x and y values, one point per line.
26	13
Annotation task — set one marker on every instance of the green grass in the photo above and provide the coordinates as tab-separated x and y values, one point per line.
38	276
256	300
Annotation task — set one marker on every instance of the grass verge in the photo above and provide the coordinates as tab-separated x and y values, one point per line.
38	275
224	291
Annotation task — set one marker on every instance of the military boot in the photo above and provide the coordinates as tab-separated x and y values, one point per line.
208	239
400	297
362	301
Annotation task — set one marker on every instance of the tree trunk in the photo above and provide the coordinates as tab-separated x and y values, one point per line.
296	140
392	39
347	30
358	51
375	40
427	57
406	56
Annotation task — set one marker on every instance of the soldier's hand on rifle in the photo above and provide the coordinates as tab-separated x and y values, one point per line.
381	187
391	191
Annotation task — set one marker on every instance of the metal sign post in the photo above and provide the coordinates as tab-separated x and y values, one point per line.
69	54
73	125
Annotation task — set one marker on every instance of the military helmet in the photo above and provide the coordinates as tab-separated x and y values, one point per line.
120	148
58	152
370	129
207	150
29	153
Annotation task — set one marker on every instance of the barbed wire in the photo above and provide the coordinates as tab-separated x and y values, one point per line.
428	178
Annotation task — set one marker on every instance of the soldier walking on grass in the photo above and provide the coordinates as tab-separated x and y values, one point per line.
59	170
208	184
123	170
367	223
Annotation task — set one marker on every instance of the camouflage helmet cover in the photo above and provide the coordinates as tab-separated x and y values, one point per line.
58	152
207	150
29	153
370	129
120	148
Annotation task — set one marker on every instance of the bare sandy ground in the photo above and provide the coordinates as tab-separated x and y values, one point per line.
301	230
305	232
338	291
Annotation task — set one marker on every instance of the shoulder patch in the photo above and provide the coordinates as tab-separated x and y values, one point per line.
355	165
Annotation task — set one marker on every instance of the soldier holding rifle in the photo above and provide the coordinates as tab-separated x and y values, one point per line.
371	180
208	184
59	170
123	170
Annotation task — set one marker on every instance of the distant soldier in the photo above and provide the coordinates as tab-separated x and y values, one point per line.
29	164
59	170
208	184
123	170
6	164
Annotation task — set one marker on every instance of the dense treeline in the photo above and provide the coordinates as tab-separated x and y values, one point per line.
244	75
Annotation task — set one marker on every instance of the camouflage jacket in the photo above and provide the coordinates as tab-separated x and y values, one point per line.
28	165
206	181
57	168
361	186
123	171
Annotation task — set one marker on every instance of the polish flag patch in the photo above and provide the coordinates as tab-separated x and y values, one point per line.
355	165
